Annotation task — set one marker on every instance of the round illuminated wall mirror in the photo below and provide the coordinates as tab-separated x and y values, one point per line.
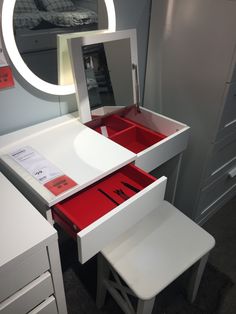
30	29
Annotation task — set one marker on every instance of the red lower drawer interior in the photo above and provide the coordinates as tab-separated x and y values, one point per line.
85	207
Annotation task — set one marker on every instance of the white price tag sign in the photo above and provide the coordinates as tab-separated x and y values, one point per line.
104	131
40	168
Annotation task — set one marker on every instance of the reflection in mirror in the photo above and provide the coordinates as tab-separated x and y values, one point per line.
108	70
37	23
119	49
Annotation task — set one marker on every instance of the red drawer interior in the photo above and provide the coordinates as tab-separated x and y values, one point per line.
85	207
126	132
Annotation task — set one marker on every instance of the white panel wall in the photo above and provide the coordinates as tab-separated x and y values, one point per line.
23	106
135	14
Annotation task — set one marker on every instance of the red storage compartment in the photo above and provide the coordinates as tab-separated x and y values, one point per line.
137	138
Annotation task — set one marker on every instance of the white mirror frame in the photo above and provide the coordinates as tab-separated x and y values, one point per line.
19	64
76	52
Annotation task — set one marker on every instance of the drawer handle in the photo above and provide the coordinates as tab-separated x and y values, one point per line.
232	173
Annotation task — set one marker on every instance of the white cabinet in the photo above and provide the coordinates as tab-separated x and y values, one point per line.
22	272
47	307
191	77
29	296
30	269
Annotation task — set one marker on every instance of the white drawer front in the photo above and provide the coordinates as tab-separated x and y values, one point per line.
224	153
30	296
218	191
233	77
175	141
163	151
47	307
18	273
28	43
100	213
228	119
95	237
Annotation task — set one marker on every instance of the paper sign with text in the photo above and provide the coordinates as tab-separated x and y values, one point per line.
43	170
6	75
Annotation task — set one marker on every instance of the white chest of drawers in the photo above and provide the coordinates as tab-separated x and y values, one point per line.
30	270
191	77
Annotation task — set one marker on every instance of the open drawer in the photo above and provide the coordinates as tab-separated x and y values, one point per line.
98	214
153	137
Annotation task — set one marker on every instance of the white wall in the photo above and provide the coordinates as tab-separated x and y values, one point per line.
135	14
22	105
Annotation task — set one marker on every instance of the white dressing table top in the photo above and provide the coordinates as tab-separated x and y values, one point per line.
79	152
21	225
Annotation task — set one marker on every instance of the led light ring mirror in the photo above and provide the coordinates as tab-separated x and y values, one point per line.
22	68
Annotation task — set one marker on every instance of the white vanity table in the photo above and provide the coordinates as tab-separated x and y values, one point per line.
30	270
86	157
89	209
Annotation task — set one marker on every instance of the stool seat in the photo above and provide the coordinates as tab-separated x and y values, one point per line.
153	253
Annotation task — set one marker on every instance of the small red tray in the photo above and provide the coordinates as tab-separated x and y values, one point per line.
87	206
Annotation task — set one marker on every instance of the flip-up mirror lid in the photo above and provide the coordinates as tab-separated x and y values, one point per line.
121	67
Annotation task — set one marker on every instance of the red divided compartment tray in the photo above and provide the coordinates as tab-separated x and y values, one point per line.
114	124
90	204
128	133
137	139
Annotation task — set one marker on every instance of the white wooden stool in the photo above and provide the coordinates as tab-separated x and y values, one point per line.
151	255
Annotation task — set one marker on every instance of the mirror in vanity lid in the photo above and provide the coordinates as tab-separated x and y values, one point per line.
105	70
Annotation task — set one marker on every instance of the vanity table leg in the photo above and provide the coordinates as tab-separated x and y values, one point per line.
145	306
196	278
102	275
176	177
56	271
49	217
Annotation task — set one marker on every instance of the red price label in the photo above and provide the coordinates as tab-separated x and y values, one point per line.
6	77
60	185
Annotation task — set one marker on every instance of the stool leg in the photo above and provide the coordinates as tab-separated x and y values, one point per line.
196	278
145	306
102	274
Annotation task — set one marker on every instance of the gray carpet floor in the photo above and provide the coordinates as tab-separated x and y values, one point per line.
217	292
223	227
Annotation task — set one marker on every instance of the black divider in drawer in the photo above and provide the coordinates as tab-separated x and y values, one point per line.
87	206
